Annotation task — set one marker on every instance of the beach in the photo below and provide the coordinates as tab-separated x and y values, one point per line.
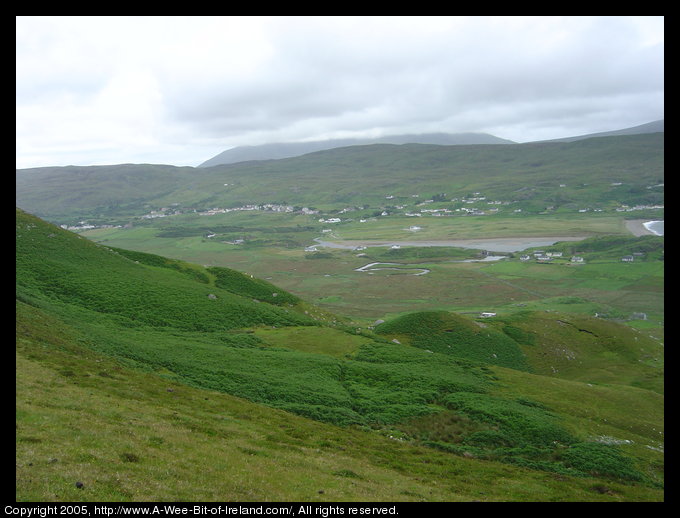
499	244
637	227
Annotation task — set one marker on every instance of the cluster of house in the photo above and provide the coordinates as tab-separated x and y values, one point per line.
544	257
631	258
85	226
626	208
270	207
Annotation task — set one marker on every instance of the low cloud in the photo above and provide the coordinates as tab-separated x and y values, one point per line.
182	89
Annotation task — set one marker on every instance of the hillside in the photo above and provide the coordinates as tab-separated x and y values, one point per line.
650	127
137	363
291	149
604	172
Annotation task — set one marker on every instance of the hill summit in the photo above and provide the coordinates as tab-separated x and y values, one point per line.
291	149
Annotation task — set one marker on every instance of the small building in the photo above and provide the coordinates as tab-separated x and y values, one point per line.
487	314
627	258
577	259
524	257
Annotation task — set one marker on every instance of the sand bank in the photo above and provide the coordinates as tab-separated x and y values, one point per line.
637	227
498	244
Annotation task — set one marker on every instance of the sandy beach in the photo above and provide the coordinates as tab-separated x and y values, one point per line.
637	227
499	244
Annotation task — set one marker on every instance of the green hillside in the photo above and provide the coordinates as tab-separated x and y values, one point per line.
604	172
63	267
449	333
133	369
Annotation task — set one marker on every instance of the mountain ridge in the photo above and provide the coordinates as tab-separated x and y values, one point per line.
650	127
360	176
279	150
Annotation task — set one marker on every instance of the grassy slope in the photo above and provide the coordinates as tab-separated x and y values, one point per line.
129	435
587	349
449	333
102	280
70	278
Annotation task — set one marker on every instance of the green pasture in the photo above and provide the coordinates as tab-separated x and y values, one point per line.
328	277
474	227
319	340
425	379
130	435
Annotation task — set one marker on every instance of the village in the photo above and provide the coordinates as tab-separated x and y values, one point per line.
440	205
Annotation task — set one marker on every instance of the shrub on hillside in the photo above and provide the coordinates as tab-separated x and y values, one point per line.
599	459
245	285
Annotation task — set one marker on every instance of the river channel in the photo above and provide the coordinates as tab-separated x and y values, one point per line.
371	267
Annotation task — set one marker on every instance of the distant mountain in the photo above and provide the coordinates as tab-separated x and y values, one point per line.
650	127
292	149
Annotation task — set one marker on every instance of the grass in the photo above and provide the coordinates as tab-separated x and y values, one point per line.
103	321
452	334
607	285
319	340
134	436
478	227
622	415
587	349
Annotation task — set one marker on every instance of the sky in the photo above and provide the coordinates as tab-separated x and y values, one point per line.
180	90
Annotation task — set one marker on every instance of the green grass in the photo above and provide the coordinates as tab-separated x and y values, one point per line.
587	349
478	227
627	417
449	333
95	320
128	435
604	283
102	280
320	340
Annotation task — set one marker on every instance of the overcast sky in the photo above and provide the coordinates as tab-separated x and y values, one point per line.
179	90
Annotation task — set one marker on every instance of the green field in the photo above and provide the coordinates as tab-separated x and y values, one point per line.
602	285
129	435
421	407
